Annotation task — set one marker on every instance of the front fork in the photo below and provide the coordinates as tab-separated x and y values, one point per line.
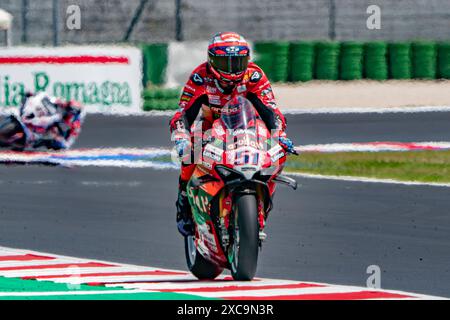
262	215
225	209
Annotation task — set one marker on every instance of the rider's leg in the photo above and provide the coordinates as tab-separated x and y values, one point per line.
184	214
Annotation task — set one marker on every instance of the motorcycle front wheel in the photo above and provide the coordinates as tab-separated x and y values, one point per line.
8	128
197	264
244	256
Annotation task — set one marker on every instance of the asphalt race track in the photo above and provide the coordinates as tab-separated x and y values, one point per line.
326	231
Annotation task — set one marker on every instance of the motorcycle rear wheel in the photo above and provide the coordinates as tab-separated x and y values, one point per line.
246	238
197	264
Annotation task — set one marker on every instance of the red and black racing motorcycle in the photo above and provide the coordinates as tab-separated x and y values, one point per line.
230	193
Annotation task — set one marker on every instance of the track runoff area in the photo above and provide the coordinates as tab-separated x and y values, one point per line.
26	274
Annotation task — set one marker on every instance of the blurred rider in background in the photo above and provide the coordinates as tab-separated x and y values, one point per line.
227	73
51	122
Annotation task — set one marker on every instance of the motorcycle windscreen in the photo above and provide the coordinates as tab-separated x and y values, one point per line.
243	143
238	113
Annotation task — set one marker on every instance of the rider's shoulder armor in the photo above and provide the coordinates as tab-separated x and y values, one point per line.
254	75
199	76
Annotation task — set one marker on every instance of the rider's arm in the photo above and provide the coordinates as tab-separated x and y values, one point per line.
191	100
261	96
44	121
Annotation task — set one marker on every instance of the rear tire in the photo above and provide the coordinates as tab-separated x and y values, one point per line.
246	238
197	264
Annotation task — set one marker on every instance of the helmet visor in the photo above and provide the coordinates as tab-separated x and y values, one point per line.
229	64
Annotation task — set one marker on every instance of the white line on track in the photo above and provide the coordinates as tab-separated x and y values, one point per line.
111	183
279	292
374	146
417	109
70	271
32	182
6	264
366	180
199	284
120	164
107	279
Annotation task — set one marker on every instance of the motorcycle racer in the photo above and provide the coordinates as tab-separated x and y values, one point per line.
51	122
227	73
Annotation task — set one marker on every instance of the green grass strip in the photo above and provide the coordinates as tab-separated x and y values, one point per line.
421	166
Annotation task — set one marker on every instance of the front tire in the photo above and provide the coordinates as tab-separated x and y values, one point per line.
246	238
199	266
8	128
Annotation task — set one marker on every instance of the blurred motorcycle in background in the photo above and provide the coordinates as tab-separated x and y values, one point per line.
43	121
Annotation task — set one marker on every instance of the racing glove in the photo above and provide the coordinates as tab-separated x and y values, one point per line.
182	146
287	145
182	142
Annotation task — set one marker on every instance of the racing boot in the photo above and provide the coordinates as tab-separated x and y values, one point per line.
185	223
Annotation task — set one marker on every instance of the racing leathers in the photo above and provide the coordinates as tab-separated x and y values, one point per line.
204	92
51	122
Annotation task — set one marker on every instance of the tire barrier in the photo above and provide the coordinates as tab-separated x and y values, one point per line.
263	56
327	61
400	61
443	67
377	60
161	99
301	61
155	61
351	61
424	60
280	61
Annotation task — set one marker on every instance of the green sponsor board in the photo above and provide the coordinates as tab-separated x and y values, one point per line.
104	93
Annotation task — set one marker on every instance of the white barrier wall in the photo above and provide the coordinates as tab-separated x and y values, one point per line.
104	79
183	57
